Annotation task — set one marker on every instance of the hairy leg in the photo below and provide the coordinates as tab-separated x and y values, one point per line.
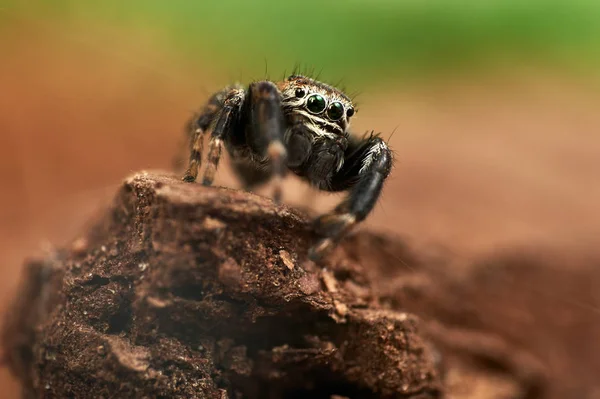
232	105
267	130
197	127
368	163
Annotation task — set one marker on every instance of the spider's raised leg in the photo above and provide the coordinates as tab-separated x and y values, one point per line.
367	164
267	130
230	112
197	127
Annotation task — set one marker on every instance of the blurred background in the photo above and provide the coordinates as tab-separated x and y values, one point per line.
494	108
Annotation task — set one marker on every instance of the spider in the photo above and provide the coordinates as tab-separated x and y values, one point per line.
301	125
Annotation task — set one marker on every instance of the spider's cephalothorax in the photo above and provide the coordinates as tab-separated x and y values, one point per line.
300	125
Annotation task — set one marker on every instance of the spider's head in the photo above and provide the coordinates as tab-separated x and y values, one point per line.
319	115
325	110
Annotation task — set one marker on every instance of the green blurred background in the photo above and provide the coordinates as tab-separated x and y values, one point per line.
359	41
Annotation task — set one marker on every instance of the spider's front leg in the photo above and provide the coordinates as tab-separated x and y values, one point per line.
267	127
367	164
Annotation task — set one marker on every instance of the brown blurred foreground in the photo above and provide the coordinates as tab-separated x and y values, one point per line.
484	164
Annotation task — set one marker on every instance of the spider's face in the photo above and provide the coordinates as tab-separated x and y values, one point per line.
318	116
323	109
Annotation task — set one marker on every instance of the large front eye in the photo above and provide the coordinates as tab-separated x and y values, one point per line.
335	111
316	104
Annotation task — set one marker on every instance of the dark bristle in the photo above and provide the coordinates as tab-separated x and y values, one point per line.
319	74
353	95
266	69
392	134
295	69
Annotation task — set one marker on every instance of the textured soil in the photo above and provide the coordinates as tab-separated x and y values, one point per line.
183	291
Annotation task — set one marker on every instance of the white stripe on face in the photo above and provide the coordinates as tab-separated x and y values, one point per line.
320	121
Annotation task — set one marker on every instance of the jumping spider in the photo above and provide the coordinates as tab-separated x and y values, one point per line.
299	124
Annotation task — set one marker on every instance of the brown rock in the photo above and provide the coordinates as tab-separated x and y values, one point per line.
193	292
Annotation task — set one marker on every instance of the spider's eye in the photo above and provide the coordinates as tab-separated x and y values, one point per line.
316	104
350	112
300	93
335	111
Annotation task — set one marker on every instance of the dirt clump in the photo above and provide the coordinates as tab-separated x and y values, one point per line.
184	291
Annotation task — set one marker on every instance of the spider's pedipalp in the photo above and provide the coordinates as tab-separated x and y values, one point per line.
268	127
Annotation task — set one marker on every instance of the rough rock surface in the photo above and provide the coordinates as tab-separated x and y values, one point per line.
181	291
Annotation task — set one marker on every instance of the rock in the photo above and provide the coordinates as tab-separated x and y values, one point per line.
179	290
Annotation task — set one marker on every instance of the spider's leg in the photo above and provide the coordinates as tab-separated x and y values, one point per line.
195	129
267	130
232	106
250	173
367	164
